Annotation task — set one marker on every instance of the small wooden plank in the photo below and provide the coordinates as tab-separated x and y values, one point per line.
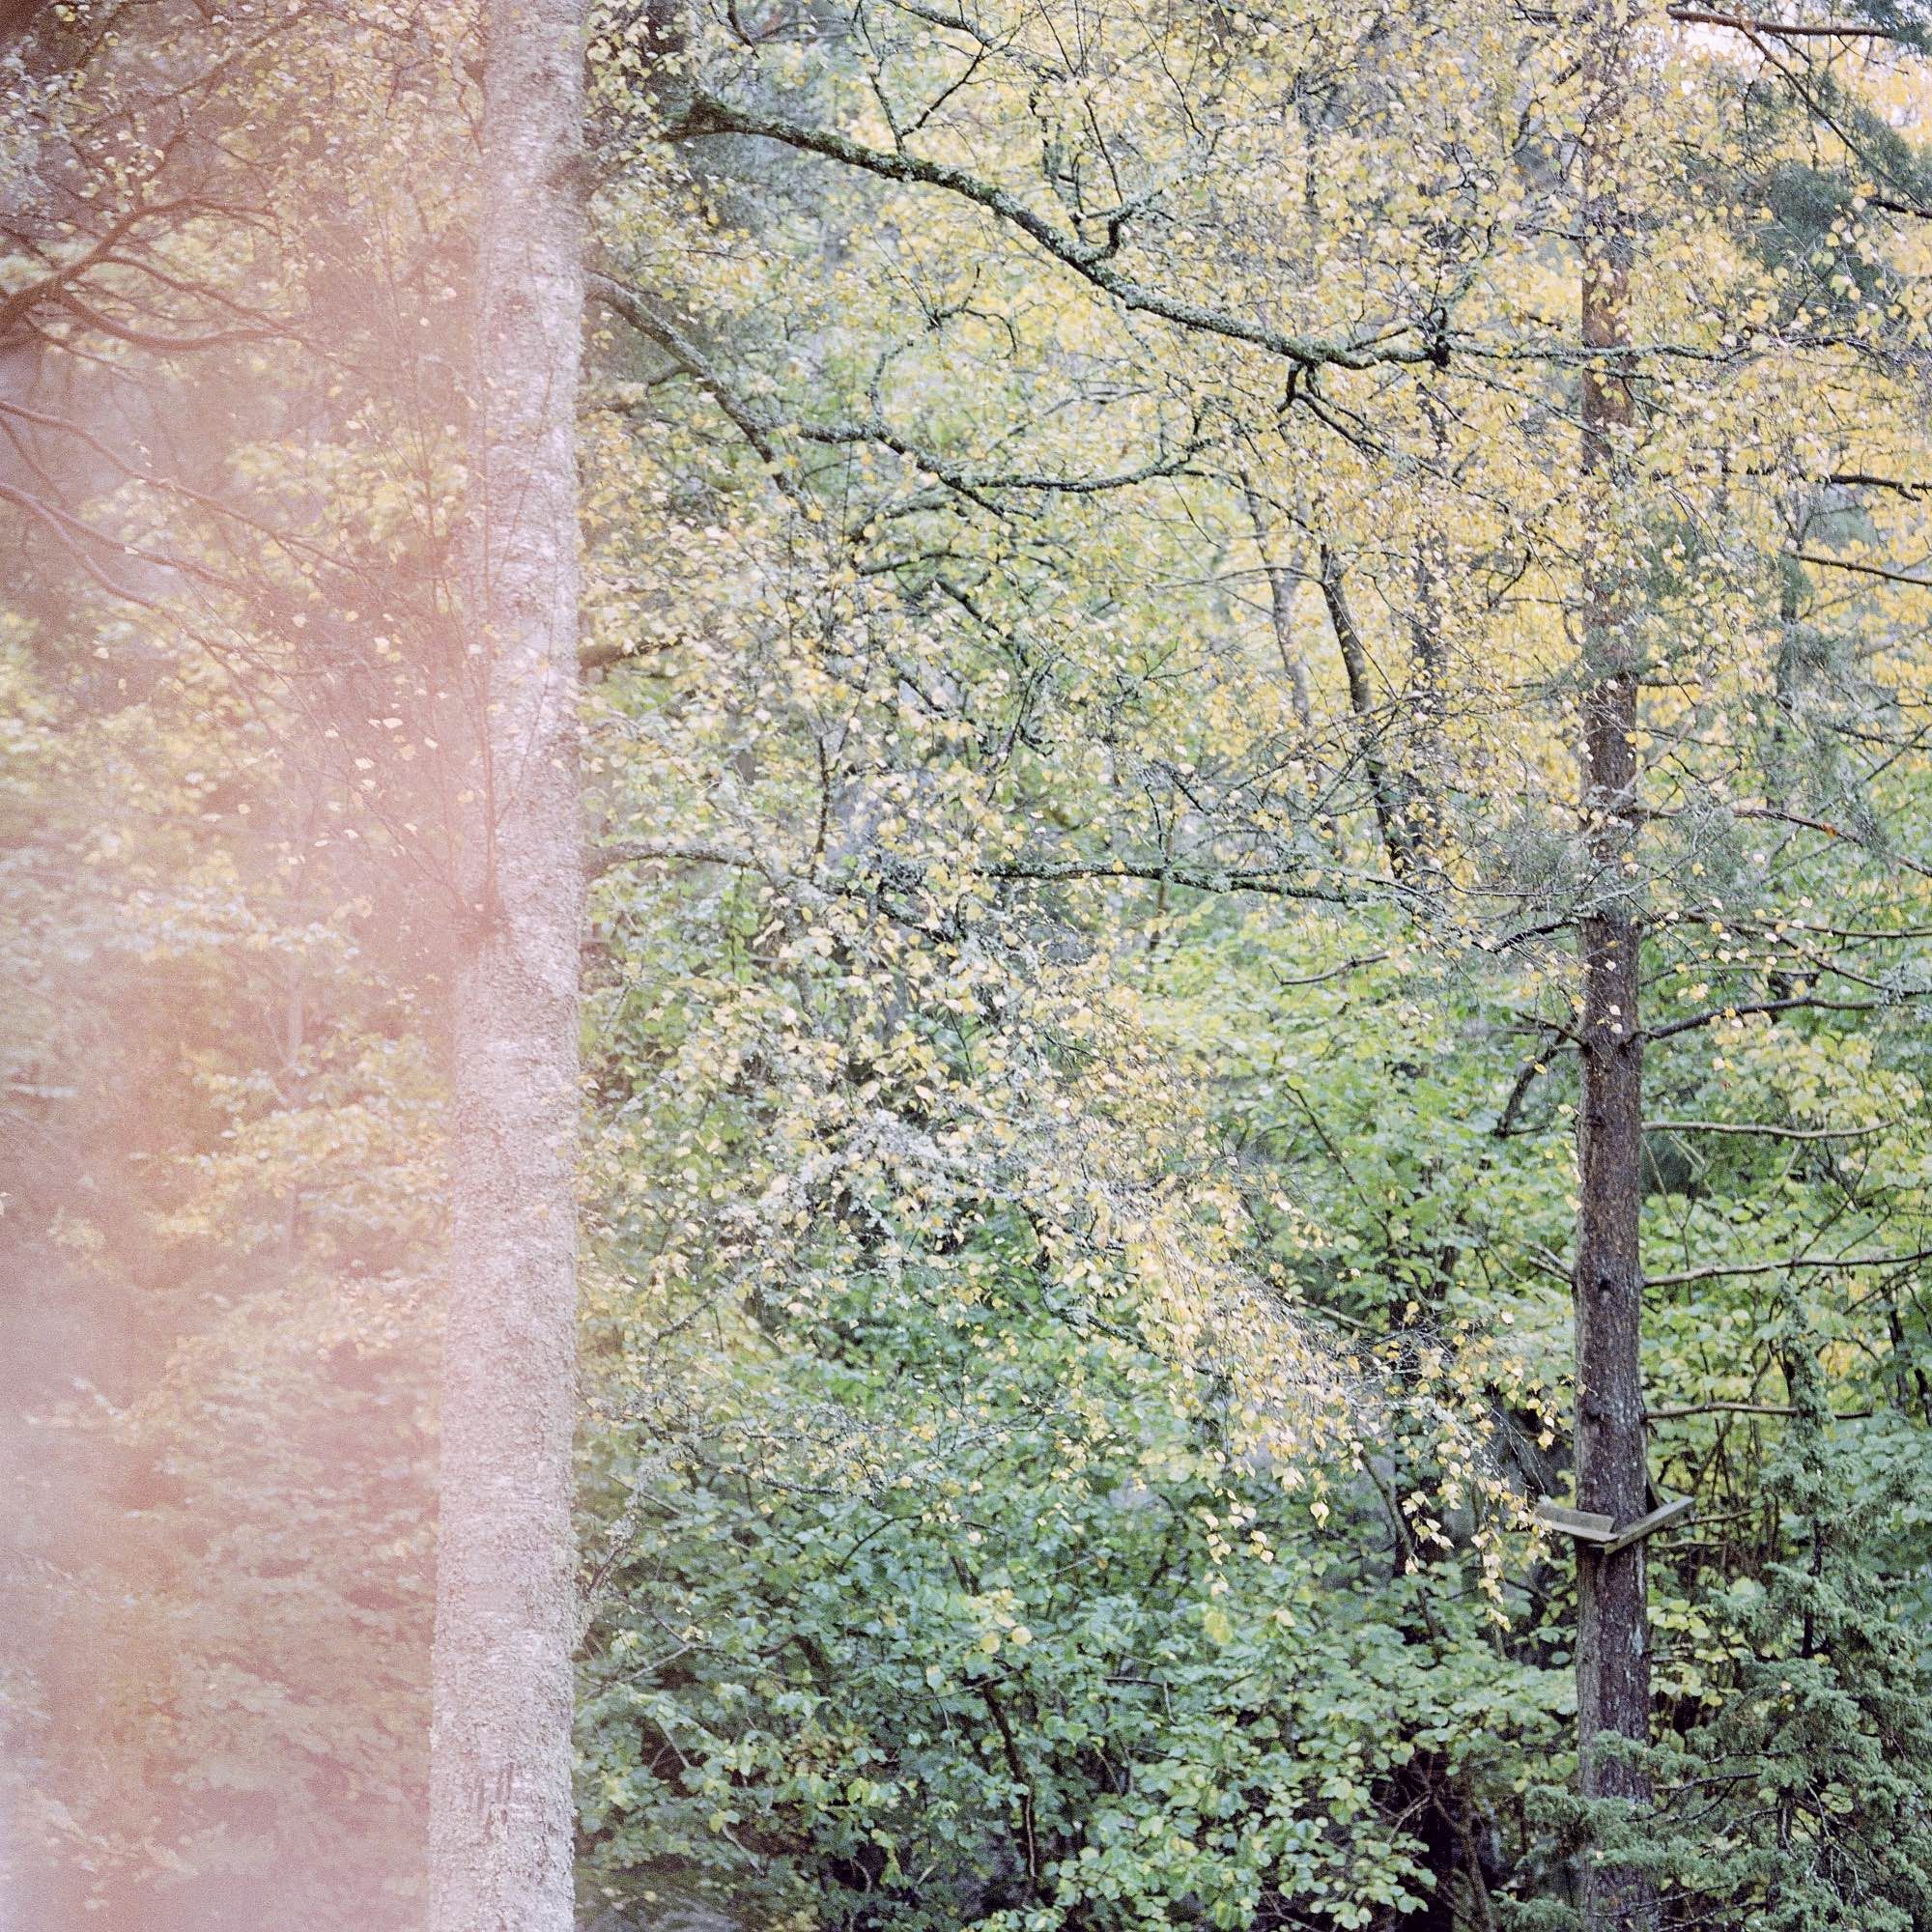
1673	1509
1586	1525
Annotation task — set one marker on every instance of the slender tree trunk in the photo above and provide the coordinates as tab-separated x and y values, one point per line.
1386	794
1612	1641
1428	762
1281	606
501	1810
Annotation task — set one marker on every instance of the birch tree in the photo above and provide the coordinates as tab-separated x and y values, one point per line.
500	1827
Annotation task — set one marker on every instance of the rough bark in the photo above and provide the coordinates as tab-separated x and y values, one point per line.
501	1811
1612	1646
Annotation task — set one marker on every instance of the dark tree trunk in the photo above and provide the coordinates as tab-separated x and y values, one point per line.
1613	1644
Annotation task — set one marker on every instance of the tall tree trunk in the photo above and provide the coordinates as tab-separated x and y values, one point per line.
501	1810
1612	1646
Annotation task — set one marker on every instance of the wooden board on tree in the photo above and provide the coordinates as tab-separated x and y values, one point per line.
1600	1532
1585	1526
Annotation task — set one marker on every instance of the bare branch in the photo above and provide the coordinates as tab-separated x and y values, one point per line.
1791	1006
1783	30
1768	1132
1089	260
1820	1262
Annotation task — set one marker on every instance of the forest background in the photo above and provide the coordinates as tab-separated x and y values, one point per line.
1191	619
